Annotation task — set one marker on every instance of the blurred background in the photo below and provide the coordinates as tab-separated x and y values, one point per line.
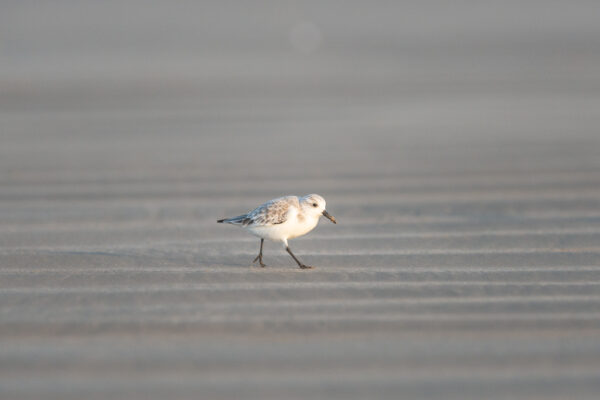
456	143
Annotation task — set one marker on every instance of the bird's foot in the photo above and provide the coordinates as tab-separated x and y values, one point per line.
259	259
302	266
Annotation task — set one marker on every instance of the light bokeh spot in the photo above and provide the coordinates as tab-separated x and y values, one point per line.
306	37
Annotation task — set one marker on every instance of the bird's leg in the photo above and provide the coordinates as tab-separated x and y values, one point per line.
298	261
259	256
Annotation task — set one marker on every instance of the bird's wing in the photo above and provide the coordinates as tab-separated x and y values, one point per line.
273	212
243	220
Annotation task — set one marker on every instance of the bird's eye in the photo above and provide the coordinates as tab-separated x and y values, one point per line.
314	204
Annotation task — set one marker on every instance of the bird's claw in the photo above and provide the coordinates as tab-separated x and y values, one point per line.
259	259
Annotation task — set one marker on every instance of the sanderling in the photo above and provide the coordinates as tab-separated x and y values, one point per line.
282	219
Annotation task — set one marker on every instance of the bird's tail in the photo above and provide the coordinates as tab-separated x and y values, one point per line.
239	220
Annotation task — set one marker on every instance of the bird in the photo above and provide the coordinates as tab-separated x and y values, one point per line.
281	219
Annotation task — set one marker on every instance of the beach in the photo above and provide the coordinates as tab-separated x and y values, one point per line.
456	145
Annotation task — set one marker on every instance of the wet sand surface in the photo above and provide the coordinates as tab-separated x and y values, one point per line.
457	146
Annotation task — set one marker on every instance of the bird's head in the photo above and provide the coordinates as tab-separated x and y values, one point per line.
314	205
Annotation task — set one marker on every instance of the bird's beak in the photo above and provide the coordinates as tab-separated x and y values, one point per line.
329	217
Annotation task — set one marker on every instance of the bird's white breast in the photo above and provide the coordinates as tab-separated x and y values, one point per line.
302	226
294	226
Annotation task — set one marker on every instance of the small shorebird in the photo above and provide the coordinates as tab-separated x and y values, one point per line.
282	219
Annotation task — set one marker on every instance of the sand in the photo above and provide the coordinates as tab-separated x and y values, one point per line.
457	146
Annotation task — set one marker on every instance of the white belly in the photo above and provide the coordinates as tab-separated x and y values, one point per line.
288	230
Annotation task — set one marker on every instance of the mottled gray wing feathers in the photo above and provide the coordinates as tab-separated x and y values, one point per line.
239	220
273	212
